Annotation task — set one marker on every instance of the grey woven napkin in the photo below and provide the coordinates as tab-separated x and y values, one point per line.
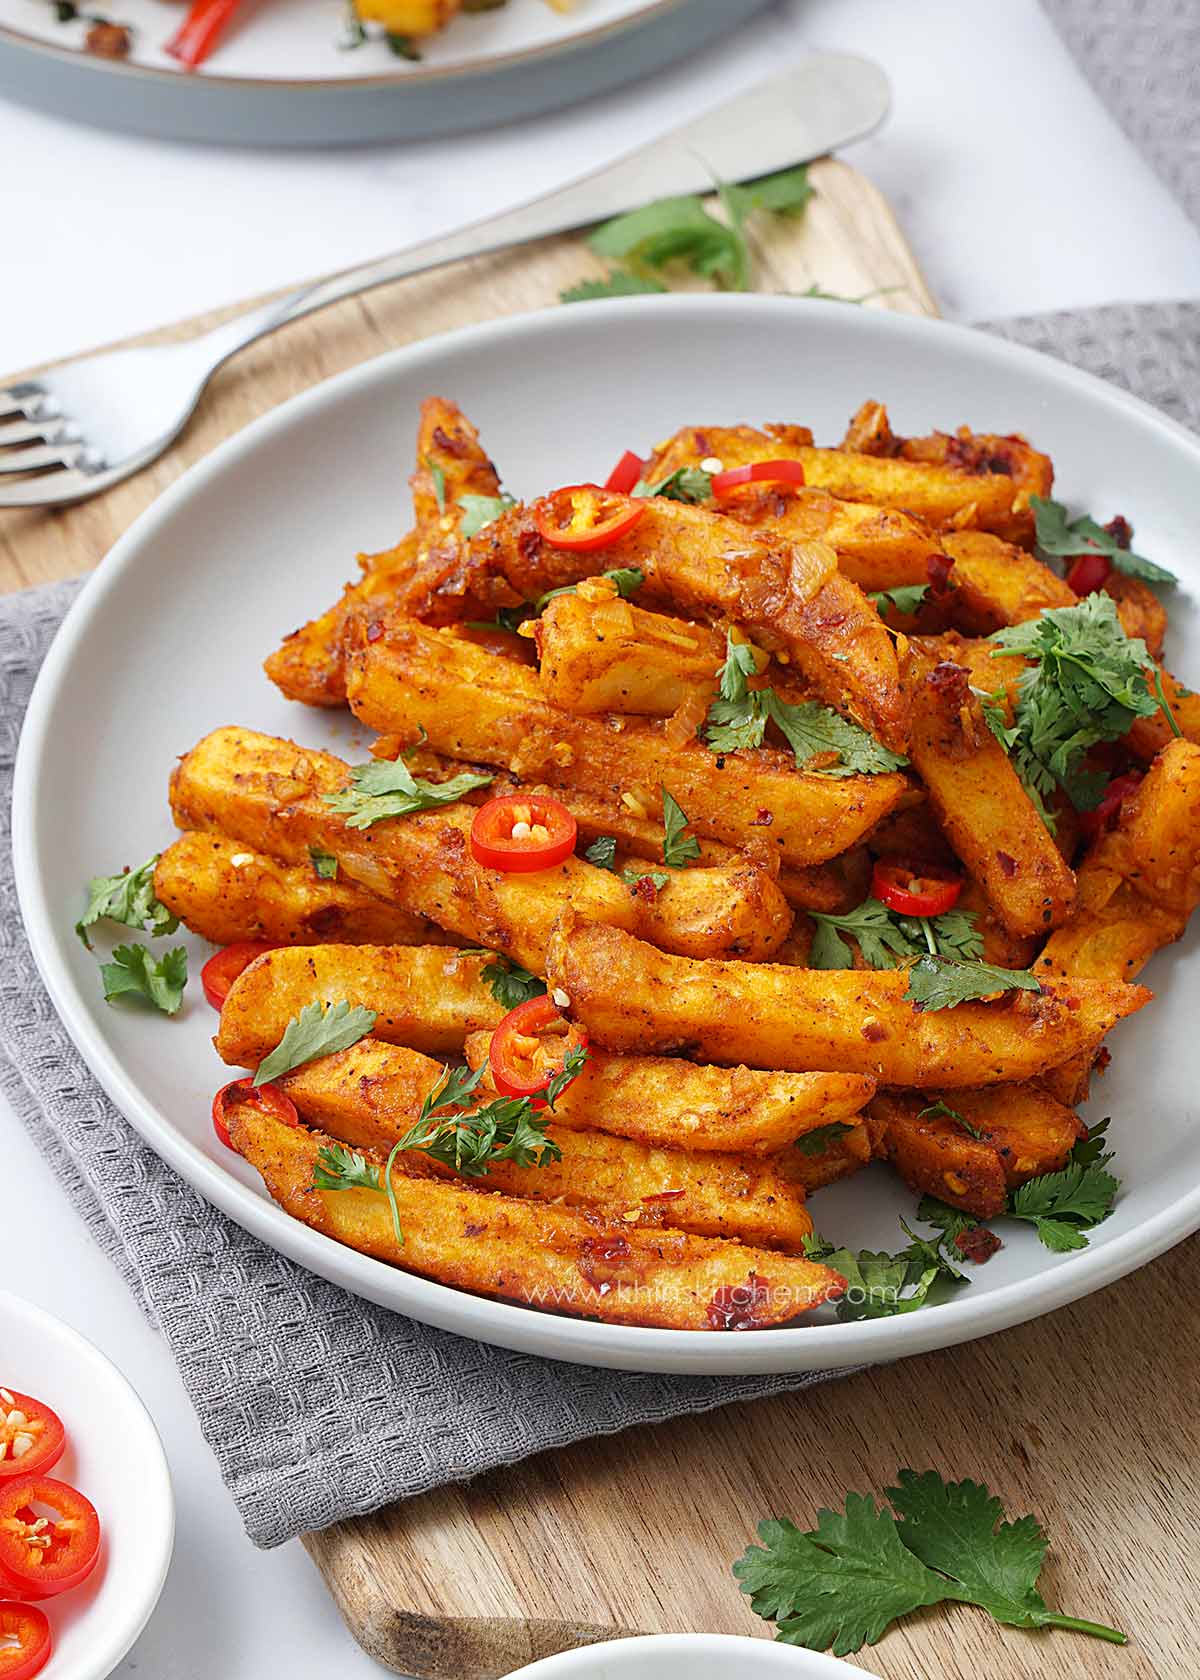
317	1405
1143	59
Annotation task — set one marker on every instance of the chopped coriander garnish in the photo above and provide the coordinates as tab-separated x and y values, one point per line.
685	484
403	46
603	851
886	939
820	1138
134	971
387	788
616	284
438	475
1066	538
510	983
325	865
657	878
936	982
320	1029
627	579
480	511
906	598
679	847
942	1111
884	1285
1064	1206
128	898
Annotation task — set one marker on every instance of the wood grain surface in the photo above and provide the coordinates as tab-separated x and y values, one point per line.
1087	1418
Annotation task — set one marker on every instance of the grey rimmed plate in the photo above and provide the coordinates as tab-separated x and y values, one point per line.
280	79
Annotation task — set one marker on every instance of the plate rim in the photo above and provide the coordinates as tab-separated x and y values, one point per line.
155	1465
420	76
803	1348
782	1658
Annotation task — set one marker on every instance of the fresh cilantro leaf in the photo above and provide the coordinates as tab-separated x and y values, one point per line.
840	297
820	1138
135	971
951	1221
1062	537
1063	1206
685	484
679	847
658	878
510	983
320	1029
616	284
786	193
940	1110
507	618
340	1168
905	599
129	899
839	1586
1093	1147
573	1065
626	578
1086	685
945	982
478	511
676	230
386	788
813	730
603	851
880	1285
1037	781
842	1584
438	474
325	865
402	46
886	940
736	725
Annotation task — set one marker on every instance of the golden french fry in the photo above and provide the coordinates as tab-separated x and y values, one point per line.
600	653
270	794
1025	1132
225	893
630	997
370	1096
556	1258
982	804
428	997
475	706
668	1103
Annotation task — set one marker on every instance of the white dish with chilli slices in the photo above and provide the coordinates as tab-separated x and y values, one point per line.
166	643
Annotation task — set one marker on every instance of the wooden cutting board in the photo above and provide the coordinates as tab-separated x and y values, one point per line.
1086	1418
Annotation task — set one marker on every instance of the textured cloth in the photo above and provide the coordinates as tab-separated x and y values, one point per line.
1143	59
318	1405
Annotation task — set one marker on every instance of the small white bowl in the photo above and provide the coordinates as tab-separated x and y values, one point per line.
688	1656
115	1457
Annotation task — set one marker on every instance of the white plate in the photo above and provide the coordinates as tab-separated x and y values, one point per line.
166	643
278	75
115	1457
688	1656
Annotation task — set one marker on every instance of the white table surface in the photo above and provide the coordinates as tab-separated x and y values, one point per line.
1018	194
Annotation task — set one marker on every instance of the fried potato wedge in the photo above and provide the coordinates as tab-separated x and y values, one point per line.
632	998
370	1096
996	583
475	706
667	1103
600	653
823	1158
789	596
271	794
225	893
982	805
1025	1132
426	997
942	493
558	1258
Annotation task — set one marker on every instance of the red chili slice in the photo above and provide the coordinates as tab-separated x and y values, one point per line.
219	972
518	1068
1089	572
582	517
519	833
1097	822
34	1641
49	1537
200	30
32	1437
760	472
268	1099
625	474
911	892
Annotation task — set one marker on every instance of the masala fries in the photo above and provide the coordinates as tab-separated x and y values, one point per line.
568	657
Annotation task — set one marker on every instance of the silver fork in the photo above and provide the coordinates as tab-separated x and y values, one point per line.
84	426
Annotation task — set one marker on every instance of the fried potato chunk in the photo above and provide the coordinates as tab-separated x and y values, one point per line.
427	997
271	794
1025	1132
982	804
942	493
630	997
564	1259
225	893
370	1096
667	1103
477	707
600	653
409	17
996	583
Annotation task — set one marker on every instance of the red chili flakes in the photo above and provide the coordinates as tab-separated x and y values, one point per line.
938	568
950	682
1008	864
874	1032
977	1244
452	445
474	1230
733	1305
529	542
601	1258
1120	530
374	630
764	819
646	888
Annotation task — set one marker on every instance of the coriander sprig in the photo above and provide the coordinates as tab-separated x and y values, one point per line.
841	1585
887	939
128	898
387	788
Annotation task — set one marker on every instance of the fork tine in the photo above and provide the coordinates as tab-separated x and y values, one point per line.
30	460
50	489
17	398
21	431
